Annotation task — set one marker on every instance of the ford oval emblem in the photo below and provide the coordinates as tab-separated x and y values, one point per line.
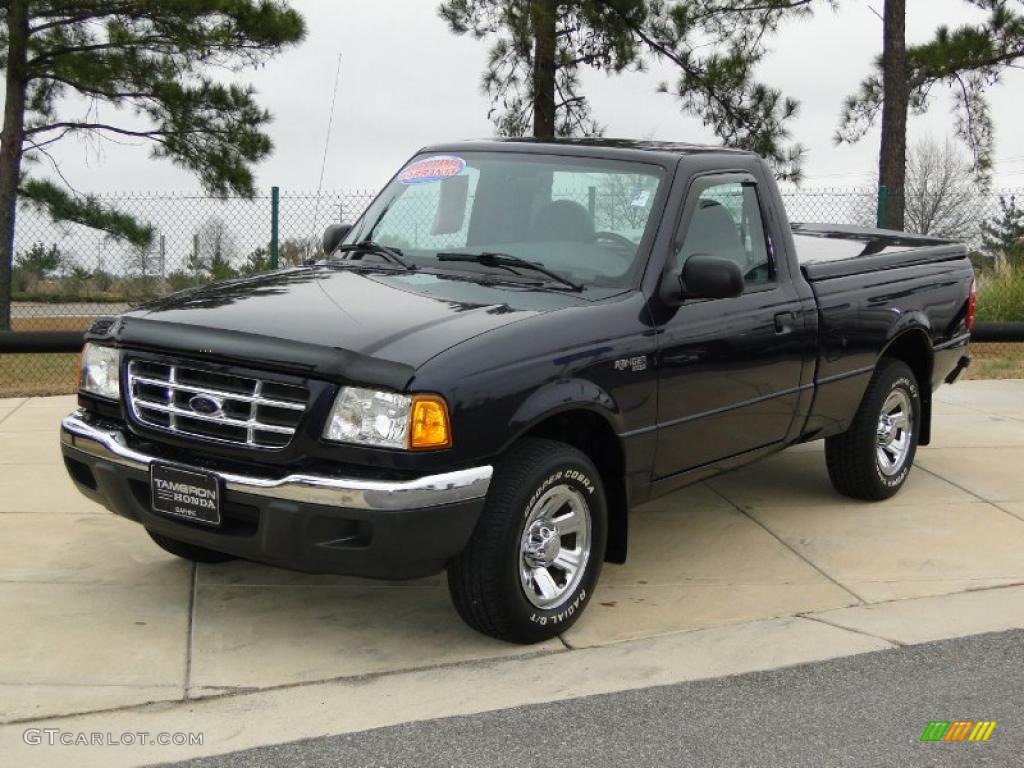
206	405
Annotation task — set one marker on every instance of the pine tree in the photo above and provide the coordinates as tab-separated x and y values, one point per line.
148	61
1002	236
969	59
39	261
540	46
532	73
892	156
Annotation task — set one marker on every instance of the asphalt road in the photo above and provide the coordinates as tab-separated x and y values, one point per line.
867	710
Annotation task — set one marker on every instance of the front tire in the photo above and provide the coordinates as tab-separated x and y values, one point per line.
188	551
536	554
872	459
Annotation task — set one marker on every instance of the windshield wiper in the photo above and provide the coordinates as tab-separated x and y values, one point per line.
509	262
394	255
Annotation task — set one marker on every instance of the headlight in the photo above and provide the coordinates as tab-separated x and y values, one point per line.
388	420
101	371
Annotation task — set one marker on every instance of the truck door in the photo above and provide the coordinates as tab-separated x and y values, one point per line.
728	369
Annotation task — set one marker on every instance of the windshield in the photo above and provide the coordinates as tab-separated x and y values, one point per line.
581	218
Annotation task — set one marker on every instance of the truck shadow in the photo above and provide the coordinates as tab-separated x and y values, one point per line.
773	539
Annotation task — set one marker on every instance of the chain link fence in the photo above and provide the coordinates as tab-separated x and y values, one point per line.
65	275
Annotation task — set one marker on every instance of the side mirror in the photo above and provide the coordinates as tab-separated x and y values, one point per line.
333	236
709	277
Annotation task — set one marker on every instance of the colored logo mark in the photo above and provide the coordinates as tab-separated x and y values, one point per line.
958	730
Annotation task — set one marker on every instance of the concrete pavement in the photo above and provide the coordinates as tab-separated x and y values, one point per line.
349	705
99	618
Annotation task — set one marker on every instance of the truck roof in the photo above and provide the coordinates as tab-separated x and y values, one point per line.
626	149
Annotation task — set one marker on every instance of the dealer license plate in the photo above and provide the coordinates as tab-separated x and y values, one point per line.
182	493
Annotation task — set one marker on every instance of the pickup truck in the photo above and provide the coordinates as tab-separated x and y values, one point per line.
516	344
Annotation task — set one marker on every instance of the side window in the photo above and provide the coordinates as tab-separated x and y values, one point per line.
726	223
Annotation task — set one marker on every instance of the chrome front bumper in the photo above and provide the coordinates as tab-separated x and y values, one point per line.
462	485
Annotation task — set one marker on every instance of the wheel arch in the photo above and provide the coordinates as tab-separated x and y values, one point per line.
589	425
913	346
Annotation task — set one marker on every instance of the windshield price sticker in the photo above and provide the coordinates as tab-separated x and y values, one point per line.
431	169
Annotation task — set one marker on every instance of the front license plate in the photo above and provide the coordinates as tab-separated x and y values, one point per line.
189	495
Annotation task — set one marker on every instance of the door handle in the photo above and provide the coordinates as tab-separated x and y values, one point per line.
785	322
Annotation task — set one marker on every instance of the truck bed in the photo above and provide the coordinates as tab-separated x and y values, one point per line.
826	251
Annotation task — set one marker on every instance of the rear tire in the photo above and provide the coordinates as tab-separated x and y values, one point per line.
872	459
536	554
188	551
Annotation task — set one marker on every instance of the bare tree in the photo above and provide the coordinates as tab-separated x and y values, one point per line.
217	249
942	194
295	251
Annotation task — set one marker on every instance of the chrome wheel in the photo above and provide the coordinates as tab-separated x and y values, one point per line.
895	430
555	546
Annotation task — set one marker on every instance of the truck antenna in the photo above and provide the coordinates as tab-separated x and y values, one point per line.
327	143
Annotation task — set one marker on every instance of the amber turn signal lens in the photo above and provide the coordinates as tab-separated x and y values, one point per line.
429	427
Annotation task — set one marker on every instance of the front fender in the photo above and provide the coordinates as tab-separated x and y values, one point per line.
561	396
600	441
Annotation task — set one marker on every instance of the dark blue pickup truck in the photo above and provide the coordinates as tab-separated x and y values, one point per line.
517	343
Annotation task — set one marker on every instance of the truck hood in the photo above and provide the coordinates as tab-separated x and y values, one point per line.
403	318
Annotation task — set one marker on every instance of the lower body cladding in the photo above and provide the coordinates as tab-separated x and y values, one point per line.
319	524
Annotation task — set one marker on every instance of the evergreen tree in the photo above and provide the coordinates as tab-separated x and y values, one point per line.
40	261
539	47
256	262
969	59
532	73
148	62
892	155
1003	235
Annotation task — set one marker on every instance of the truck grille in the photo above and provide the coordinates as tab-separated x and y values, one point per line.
210	405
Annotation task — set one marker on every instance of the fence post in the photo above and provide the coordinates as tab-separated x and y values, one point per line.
275	211
883	203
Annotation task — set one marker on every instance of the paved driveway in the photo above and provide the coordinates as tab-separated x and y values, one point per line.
96	616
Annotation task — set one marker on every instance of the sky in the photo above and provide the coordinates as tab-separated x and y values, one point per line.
406	81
